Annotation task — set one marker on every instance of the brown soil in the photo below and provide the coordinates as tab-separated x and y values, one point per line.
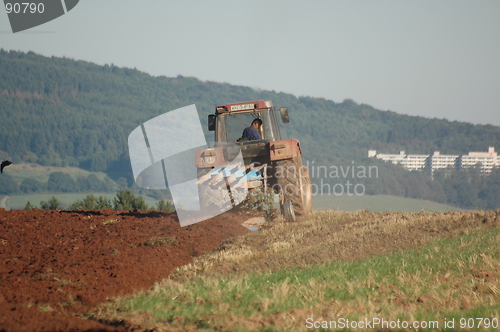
57	265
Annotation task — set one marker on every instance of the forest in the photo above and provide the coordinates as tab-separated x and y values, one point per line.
66	112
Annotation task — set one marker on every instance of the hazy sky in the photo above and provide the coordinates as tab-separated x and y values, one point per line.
429	58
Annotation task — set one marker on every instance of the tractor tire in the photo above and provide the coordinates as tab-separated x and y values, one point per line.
294	184
306	191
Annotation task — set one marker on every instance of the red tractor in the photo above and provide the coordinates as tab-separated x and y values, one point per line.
270	162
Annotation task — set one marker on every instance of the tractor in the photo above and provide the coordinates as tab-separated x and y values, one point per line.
271	163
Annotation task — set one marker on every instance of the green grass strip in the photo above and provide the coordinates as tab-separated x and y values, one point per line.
452	278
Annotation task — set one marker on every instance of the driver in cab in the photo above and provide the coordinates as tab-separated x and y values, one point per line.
252	132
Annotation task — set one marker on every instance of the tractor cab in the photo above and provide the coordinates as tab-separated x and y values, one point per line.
230	120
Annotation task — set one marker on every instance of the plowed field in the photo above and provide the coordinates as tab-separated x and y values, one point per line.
57	265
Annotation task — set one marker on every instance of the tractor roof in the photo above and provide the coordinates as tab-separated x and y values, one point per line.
246	106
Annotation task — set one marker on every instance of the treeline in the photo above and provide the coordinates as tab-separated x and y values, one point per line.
62	112
469	188
124	200
58	182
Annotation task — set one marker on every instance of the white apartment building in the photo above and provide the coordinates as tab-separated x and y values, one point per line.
393	158
440	161
414	162
487	160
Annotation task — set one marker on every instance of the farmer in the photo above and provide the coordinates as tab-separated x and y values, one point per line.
252	132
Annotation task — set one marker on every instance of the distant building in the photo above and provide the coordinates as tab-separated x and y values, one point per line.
394	158
440	161
415	162
487	160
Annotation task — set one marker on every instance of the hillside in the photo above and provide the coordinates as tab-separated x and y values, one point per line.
63	112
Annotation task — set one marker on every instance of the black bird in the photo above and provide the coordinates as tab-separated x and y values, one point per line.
5	163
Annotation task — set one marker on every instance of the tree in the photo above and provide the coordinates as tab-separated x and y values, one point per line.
122	182
95	185
126	200
29	186
466	195
140	204
52	204
7	185
491	196
29	206
92	183
164	205
90	202
61	182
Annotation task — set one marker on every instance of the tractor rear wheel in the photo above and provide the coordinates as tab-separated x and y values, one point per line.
306	191
294	184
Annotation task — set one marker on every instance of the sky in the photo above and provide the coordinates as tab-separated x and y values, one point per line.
436	59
